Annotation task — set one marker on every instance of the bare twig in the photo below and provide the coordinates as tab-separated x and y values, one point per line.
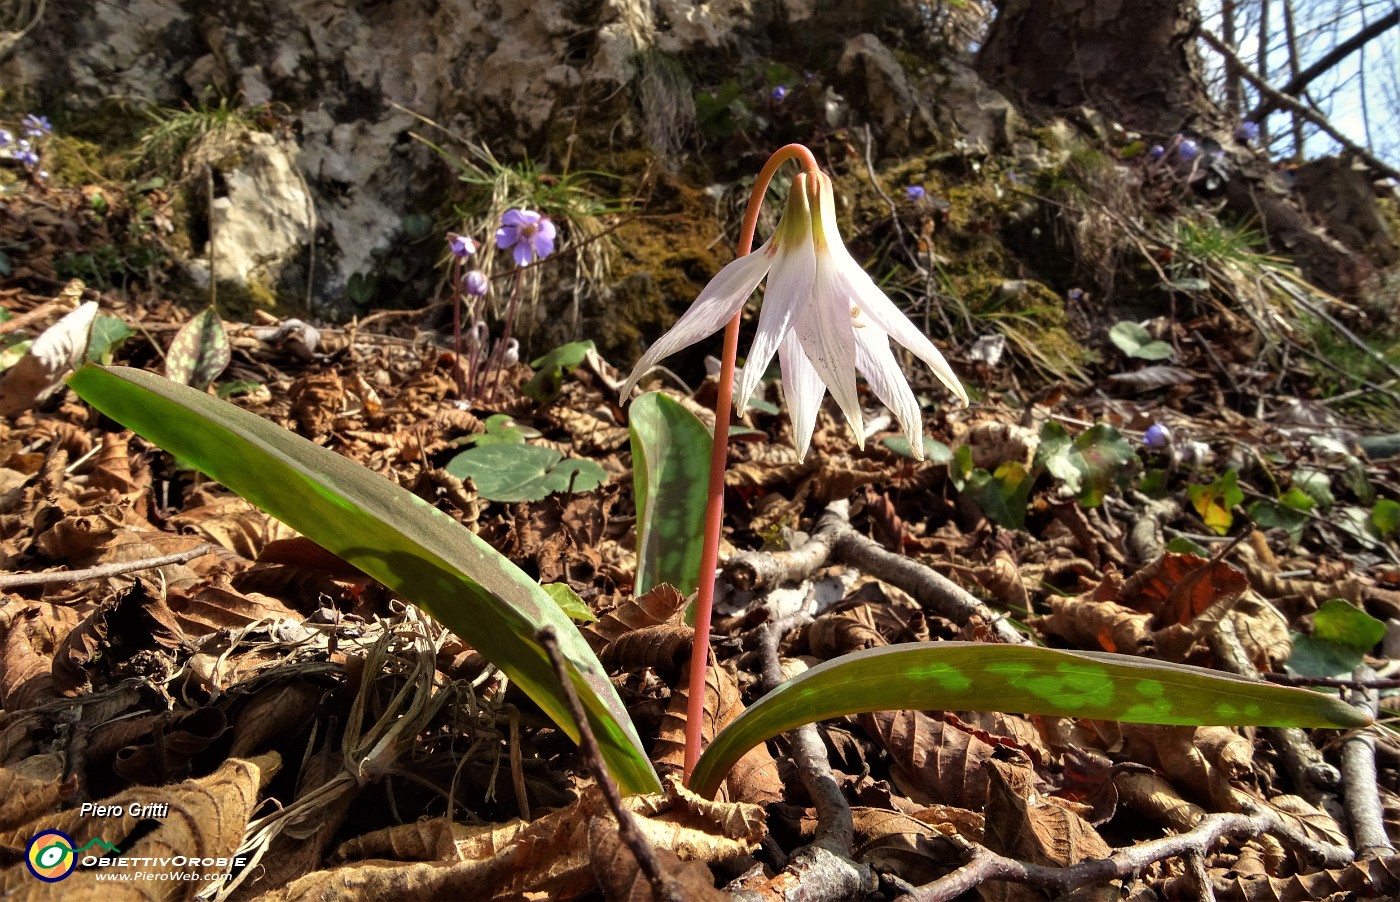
983	864
628	830
1299	82
835	538
1363	803
1313	776
52	577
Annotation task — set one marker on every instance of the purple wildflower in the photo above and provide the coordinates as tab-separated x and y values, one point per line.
1157	436
915	193
36	126
6	138
476	283
526	234
1156	151
1187	149
779	93
460	245
28	157
1075	294
1247	132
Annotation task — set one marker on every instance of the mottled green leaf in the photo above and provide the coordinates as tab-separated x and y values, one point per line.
968	676
550	369
501	429
108	333
199	352
524	472
1316	484
935	452
1135	341
386	531
1385	516
670	477
1338	621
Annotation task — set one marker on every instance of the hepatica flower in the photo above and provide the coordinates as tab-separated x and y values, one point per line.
822	315
526	234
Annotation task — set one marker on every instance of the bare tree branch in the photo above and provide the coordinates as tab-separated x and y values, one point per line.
1298	109
1272	100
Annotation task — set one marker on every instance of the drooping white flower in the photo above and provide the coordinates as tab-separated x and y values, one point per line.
822	315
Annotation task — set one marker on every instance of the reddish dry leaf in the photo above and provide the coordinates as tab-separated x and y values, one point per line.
157	747
662	648
1086	622
931	760
1153	796
621	878
317	399
229	522
118	471
1177	588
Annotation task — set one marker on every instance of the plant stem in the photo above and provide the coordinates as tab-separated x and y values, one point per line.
457	326
498	353
719	456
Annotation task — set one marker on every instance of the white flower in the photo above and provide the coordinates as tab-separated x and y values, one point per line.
822	315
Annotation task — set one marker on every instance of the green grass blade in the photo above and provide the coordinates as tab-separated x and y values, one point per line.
386	531
970	676
671	474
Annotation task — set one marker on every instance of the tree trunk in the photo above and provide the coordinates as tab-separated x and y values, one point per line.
1136	62
1133	60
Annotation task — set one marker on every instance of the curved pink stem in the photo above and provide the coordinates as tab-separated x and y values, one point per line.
719	456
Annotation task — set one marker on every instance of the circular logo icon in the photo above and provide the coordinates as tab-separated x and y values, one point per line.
49	856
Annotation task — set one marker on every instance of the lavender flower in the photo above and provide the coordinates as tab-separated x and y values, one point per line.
779	93
915	193
6	138
36	126
1187	149
461	246
28	158
1075	294
1156	151
476	283
1247	132
526	234
1157	437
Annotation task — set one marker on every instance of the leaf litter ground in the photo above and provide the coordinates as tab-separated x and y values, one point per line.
289	710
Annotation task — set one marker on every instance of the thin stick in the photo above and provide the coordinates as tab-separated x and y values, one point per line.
52	577
628	830
719	457
1363	804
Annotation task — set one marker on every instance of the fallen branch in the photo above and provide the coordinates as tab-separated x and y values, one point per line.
983	864
1359	794
835	538
102	571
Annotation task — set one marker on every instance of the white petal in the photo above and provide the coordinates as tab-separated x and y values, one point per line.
716	306
824	328
884	314
789	289
876	362
802	388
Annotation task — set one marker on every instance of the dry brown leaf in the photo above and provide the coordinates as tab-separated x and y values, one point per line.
1027	826
1154	796
32	633
591	433
230	522
754	777
660	605
203	818
1371	879
662	648
214	605
1087	622
834	634
277	711
428	840
134	635
617	872
932	761
902	844
317	400
156	747
32	788
1177	588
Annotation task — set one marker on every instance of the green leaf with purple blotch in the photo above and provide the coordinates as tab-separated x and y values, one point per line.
199	352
